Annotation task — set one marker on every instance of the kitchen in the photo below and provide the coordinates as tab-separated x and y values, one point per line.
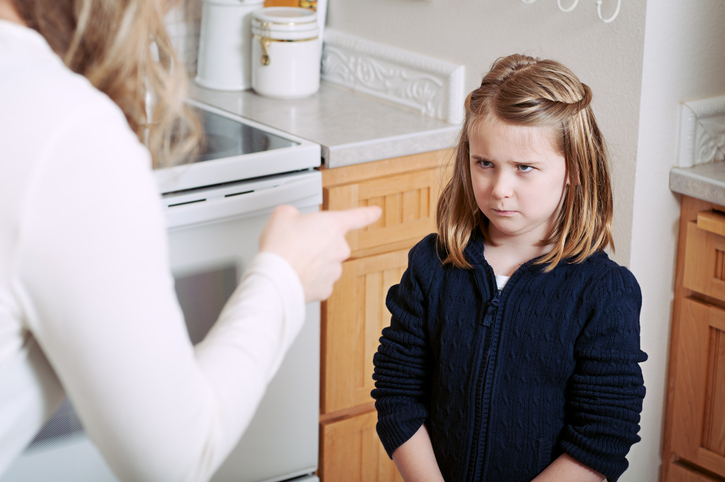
654	55
641	66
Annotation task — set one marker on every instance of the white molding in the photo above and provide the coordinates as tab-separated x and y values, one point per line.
702	132
431	86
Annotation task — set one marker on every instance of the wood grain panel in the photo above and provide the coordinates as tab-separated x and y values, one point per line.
407	190
690	391
359	455
714	429
678	473
698	418
281	3
711	221
690	210
719	264
355	317
387	167
408	202
712	462
701	271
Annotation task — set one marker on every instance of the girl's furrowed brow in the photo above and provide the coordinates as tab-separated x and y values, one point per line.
527	163
478	157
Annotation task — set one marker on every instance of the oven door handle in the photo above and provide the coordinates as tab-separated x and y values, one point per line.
306	191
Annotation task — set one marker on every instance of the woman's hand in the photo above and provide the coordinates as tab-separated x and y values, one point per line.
314	244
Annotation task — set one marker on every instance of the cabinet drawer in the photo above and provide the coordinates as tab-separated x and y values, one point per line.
352	452
408	201
705	255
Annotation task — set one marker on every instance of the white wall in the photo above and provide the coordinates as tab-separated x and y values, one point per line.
684	59
639	68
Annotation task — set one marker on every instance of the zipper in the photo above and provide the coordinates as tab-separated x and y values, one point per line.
482	402
491	310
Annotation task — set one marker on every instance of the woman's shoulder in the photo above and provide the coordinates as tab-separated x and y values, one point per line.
37	86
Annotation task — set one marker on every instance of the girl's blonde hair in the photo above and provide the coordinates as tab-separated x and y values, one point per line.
123	49
525	91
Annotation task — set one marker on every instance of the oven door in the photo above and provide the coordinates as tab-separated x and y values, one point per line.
211	244
213	235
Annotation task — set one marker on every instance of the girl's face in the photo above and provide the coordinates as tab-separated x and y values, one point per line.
518	180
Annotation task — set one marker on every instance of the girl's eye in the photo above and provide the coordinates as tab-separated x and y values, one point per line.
524	168
483	163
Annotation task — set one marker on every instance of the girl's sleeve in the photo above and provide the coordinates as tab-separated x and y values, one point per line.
605	394
403	358
94	281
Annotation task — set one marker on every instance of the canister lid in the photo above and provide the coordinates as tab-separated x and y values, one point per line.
285	15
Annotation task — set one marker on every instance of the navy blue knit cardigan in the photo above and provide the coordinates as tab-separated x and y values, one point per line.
507	381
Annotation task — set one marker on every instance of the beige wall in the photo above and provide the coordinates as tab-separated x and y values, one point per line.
654	55
608	57
684	59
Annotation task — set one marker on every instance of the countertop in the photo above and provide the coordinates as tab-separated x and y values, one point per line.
704	181
351	127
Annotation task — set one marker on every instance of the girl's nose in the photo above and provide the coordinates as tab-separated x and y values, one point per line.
502	187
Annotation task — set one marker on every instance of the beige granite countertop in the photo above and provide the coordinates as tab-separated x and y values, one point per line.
350	127
704	181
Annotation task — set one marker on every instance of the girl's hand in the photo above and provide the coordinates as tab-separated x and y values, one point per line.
416	460
565	468
314	244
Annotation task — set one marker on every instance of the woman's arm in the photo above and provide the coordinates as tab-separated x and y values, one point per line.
93	280
566	469
415	459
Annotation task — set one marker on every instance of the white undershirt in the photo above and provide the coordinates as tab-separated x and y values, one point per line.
87	301
501	281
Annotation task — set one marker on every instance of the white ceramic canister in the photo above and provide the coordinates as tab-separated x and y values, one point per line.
285	52
225	44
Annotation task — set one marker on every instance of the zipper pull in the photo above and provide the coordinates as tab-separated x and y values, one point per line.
491	309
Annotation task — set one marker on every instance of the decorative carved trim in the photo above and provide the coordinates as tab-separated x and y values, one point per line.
702	132
431	86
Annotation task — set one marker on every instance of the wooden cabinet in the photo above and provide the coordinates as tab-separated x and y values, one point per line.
695	420
682	474
352	452
407	190
355	316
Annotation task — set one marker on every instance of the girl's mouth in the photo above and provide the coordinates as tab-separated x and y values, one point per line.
503	213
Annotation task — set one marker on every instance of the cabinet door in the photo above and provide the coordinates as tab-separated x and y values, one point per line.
679	473
352	452
408	202
698	430
352	321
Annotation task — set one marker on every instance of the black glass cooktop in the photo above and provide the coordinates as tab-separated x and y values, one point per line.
228	138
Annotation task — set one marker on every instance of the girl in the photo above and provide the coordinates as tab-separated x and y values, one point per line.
513	349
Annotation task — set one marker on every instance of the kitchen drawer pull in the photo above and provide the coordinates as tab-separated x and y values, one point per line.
711	221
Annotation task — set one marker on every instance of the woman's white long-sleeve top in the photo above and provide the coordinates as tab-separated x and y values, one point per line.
87	300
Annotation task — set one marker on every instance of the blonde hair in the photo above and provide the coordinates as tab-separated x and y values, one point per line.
123	49
525	91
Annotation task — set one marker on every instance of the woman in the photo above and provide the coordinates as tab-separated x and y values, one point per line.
87	304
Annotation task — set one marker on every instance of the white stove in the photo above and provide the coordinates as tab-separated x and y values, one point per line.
237	149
